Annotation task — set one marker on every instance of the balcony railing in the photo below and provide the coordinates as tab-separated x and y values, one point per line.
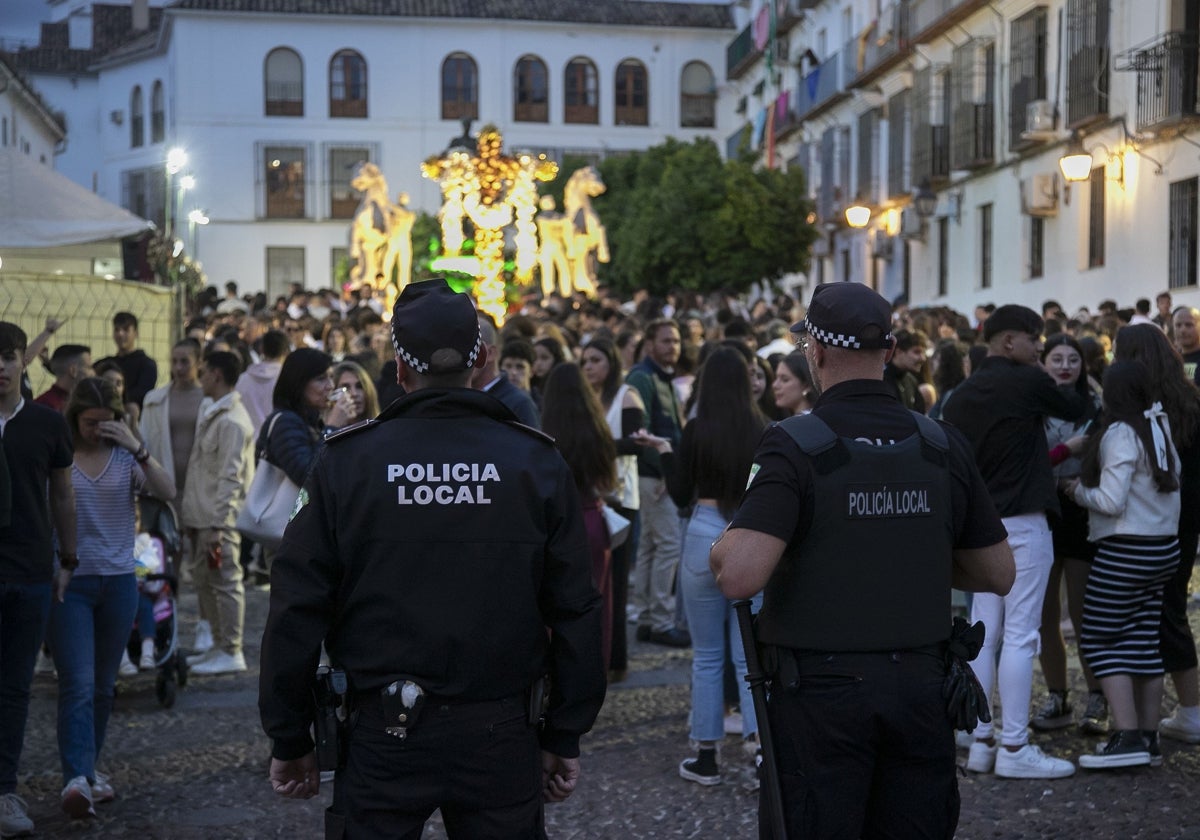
741	53
1166	79
1087	25
789	13
889	39
820	86
930	18
973	140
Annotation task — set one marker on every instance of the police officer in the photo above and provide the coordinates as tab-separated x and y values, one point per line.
431	550
857	520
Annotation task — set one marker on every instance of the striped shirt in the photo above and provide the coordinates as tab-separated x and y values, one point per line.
104	515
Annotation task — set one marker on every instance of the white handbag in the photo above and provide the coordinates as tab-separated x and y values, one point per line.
269	501
618	526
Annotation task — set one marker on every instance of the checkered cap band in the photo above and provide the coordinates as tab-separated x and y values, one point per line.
836	339
413	363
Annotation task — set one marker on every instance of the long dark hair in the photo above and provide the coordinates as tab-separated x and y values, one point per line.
766	400
797	363
1127	395
1147	344
298	369
612	381
726	429
1083	384
948	369
571	414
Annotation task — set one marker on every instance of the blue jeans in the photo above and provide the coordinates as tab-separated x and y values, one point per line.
711	620
88	632
23	611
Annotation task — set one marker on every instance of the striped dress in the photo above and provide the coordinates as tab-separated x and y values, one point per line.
1133	525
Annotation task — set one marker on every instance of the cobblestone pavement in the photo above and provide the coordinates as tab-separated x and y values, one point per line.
199	770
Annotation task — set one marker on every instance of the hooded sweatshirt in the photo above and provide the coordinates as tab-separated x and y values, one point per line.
255	385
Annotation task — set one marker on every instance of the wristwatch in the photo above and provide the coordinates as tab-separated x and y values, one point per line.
69	562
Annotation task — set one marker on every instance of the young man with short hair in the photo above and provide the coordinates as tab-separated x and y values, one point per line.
70	364
38	454
141	372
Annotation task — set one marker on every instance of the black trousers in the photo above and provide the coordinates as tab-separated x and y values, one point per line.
480	763
865	748
1175	634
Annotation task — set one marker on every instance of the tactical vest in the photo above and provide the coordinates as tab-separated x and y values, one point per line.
873	572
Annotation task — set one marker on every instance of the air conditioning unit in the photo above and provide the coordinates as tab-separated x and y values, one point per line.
912	226
1039	195
116	117
1039	119
881	244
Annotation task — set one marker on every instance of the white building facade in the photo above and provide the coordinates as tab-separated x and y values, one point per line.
275	106
972	104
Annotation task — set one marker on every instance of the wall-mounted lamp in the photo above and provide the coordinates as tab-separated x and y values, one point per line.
858	215
925	201
1076	164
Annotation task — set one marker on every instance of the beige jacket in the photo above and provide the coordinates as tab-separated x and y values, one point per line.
220	467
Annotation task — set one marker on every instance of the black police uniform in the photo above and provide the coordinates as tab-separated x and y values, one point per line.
859	609
436	544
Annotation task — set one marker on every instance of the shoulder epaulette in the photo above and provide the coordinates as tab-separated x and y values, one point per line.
529	430
346	431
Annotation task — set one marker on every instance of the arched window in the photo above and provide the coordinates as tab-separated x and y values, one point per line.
531	90
158	115
460	87
582	97
632	103
283	78
347	85
137	118
697	96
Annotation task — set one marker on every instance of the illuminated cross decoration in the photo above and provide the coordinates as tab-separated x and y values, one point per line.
481	187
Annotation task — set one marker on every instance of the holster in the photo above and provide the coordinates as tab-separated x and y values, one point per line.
332	710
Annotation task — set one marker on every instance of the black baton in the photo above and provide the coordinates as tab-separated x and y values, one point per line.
758	690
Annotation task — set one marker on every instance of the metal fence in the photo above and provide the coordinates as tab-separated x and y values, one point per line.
85	305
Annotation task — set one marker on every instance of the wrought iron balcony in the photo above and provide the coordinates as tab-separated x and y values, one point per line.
820	86
1166	80
889	39
741	53
930	18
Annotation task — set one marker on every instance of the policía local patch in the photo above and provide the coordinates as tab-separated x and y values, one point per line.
887	500
301	501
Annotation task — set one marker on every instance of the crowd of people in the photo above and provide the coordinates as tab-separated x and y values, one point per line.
1085	429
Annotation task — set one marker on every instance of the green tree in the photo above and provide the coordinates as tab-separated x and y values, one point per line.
679	216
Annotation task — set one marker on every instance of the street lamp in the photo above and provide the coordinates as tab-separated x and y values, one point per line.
925	201
176	160
1076	164
858	215
195	217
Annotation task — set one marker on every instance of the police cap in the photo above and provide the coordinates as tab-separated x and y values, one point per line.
848	315
429	317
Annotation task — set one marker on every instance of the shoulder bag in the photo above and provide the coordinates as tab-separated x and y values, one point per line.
269	501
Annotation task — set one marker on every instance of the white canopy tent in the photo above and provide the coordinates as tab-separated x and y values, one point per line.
39	208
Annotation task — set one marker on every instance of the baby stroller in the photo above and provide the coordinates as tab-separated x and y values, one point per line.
159	550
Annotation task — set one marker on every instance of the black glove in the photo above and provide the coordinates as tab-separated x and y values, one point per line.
966	703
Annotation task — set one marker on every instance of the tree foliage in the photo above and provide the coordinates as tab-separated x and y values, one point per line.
678	216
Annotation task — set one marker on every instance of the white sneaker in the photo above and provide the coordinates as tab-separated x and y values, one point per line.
204	637
102	790
1029	762
126	668
1179	728
733	723
77	799
196	658
981	758
222	663
44	665
14	821
147	662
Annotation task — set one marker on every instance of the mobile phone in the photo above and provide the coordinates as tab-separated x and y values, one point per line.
336	394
